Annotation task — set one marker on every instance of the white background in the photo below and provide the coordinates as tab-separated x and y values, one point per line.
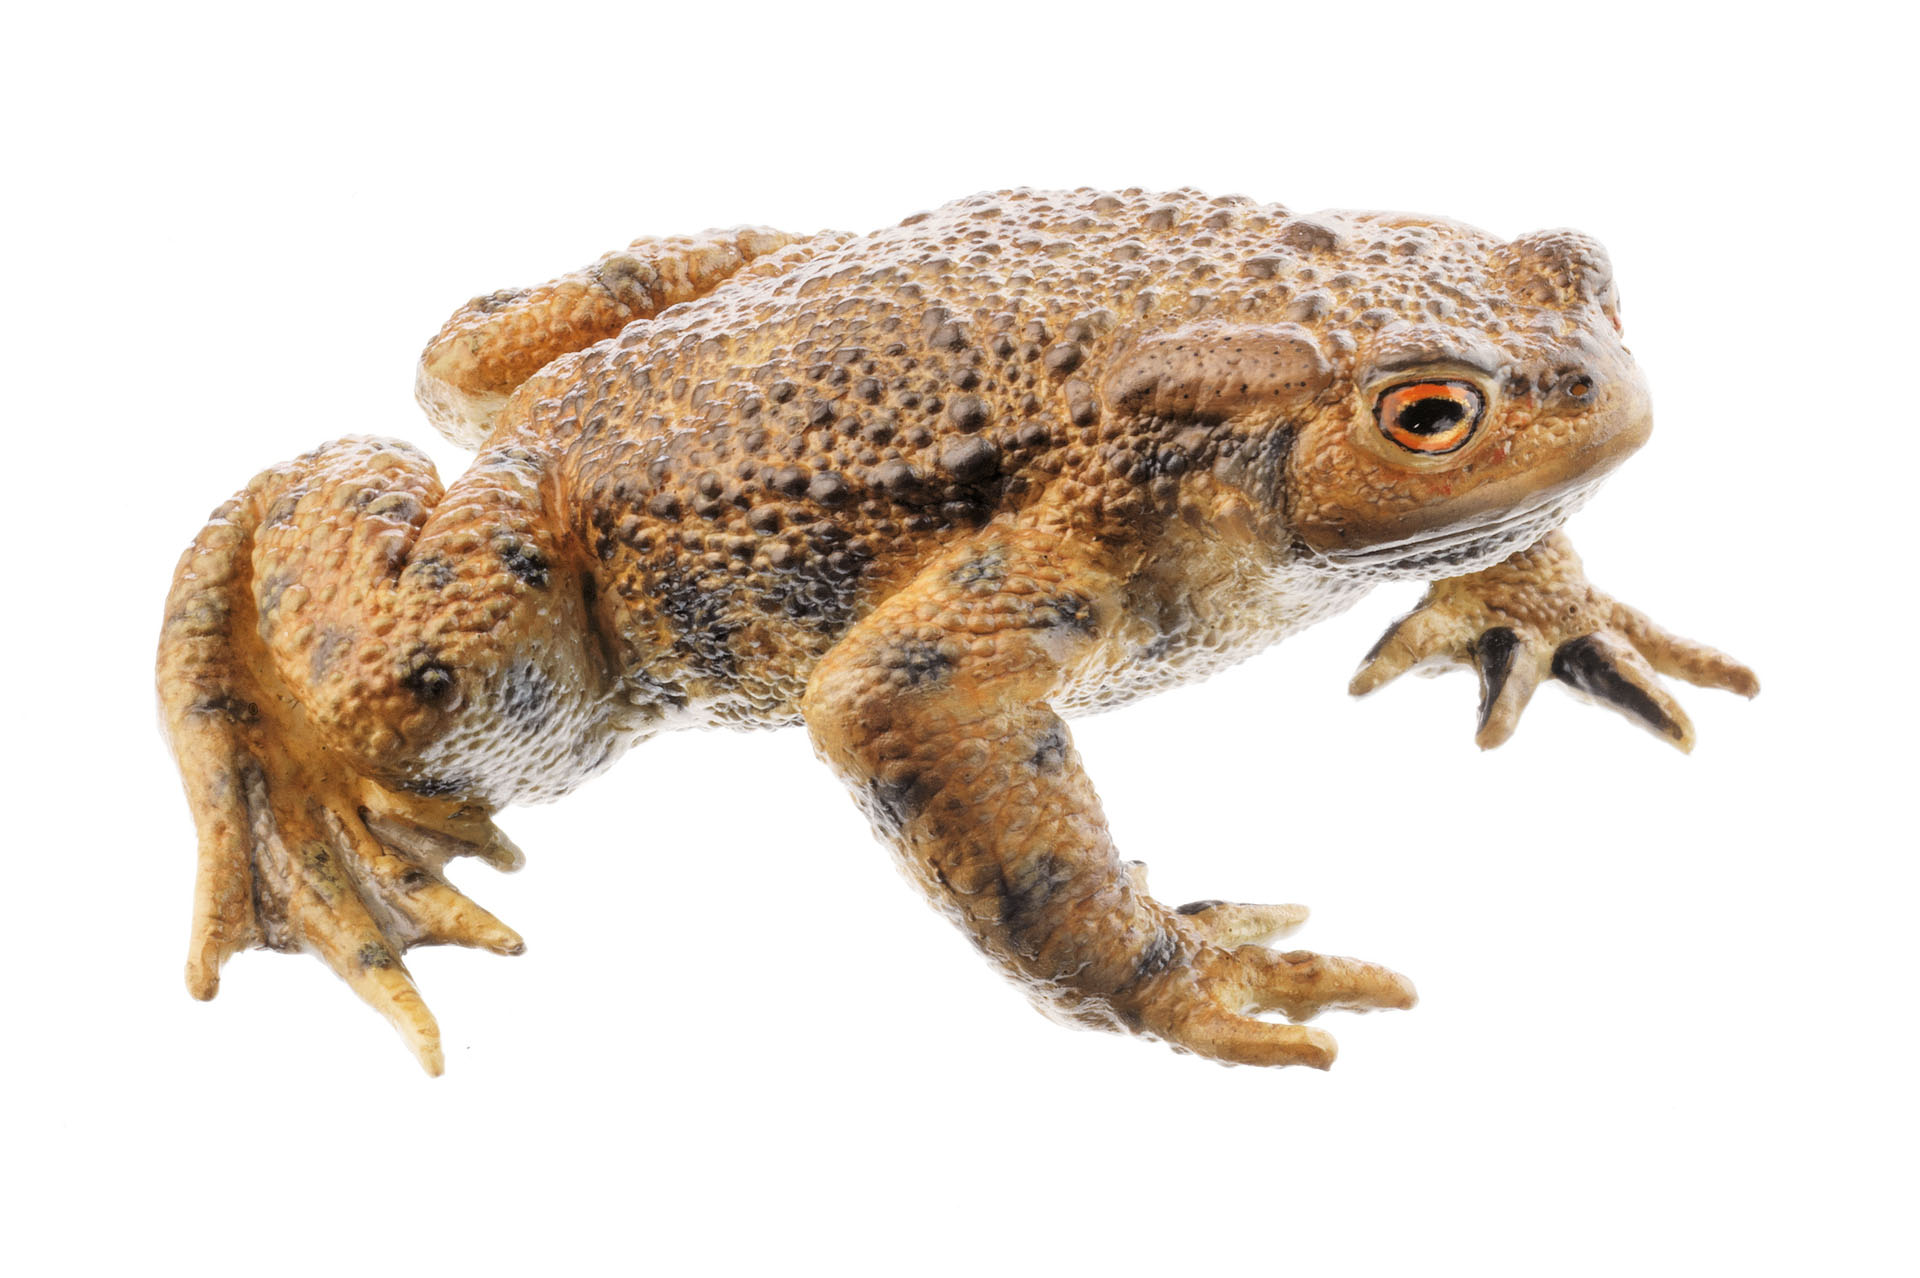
1668	1003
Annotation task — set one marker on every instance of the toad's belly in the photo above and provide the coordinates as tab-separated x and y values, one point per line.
1171	637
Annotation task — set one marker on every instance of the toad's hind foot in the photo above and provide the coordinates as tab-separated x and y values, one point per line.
299	849
291	860
355	888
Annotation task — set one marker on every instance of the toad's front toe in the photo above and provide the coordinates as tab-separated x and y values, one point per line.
1535	618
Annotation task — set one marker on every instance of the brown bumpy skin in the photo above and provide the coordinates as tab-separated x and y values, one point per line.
930	491
491	345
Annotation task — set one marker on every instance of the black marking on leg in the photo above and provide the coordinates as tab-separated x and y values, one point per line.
373	954
284	507
203	613
523	561
1026	891
327	647
1049	750
1199	907
233	709
1583	663
431	681
401	507
267	592
901	796
431	571
1070	610
914	662
1493	655
1159	954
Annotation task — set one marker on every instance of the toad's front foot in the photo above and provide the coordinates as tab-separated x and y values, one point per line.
1533	617
1209	1000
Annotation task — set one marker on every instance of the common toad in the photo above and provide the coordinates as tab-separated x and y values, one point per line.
930	492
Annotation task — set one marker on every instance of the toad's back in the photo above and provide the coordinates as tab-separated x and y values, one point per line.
749	471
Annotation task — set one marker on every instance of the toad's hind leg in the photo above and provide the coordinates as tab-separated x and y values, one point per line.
354	672
934	710
494	344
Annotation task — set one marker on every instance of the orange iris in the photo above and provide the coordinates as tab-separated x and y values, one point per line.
1430	417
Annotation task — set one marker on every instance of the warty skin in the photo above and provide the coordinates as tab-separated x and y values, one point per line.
930	492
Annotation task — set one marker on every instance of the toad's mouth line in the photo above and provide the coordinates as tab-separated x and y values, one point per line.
1468	547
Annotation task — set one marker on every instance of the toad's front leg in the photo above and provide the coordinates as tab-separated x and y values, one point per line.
1534	616
934	712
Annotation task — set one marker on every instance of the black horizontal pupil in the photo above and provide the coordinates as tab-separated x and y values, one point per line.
1432	415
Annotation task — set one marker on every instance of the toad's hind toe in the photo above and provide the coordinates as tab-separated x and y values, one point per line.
318	880
1231	923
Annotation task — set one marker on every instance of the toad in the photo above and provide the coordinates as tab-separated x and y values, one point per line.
929	492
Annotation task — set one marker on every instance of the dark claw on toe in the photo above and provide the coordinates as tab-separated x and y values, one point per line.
1493	655
1585	665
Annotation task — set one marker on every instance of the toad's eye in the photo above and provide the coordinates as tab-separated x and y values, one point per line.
1429	417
